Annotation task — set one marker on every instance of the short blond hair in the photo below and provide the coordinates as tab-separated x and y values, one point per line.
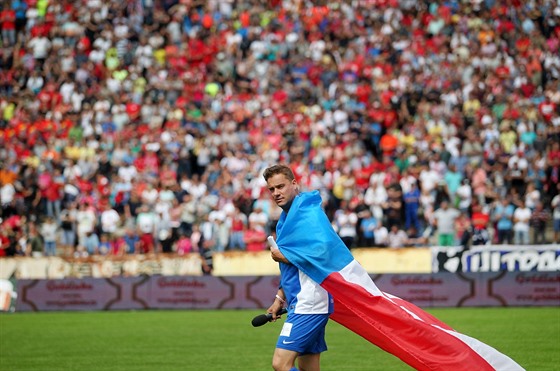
279	169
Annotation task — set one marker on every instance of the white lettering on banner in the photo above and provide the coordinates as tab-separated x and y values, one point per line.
523	261
495	262
475	262
485	261
496	258
551	262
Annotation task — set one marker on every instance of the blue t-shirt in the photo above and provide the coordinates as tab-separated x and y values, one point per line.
368	225
453	180
412	199
504	215
303	295
20	7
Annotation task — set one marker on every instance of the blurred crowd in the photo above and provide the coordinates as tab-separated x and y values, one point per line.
144	126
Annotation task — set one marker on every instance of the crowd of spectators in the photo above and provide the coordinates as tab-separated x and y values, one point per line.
144	126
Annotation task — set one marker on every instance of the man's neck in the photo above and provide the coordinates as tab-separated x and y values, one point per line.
287	207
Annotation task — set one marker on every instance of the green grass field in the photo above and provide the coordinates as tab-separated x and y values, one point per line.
225	340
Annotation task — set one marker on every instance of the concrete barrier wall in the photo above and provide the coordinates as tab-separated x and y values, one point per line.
417	260
541	258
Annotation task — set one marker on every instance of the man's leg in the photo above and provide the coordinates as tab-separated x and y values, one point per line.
309	362
522	238
283	359
501	236
509	236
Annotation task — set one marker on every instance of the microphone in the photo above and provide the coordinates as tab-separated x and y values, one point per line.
272	243
262	319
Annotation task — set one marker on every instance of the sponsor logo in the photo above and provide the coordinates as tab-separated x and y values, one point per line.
68	286
399	280
175	282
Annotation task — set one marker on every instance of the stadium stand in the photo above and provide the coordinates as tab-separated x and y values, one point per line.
143	126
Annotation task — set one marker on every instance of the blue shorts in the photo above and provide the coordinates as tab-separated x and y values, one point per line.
304	333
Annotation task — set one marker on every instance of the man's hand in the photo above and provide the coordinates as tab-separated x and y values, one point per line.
278	256
278	304
275	253
273	309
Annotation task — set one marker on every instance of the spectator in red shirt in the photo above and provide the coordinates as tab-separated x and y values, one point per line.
4	241
8	21
255	238
480	221
388	144
238	222
53	194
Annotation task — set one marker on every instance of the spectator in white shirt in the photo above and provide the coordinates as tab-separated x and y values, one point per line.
397	237
86	221
444	219
521	217
381	236
258	218
49	231
345	221
556	215
110	220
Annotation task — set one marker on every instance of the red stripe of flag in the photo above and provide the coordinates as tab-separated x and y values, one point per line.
383	321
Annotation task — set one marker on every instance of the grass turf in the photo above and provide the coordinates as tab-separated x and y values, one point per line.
225	340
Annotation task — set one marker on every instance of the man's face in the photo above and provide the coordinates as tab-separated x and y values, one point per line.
282	190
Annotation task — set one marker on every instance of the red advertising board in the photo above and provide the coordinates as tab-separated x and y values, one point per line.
253	292
146	292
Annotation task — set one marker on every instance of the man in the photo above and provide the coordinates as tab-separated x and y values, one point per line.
556	215
309	305
444	219
367	229
397	237
539	221
345	221
502	215
411	205
318	271
480	220
254	238
110	220
521	226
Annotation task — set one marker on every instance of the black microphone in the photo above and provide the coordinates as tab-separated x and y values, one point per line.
262	319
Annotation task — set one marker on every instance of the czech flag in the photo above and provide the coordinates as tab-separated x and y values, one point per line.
306	238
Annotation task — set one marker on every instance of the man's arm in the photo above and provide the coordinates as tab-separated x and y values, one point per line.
278	303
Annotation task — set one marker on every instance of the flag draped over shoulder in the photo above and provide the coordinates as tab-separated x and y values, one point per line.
306	238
